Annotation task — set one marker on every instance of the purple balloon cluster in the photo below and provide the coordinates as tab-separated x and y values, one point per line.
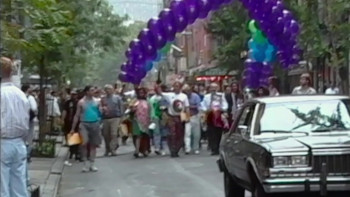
280	27
160	30
256	73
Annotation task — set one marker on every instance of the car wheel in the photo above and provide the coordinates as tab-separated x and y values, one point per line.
231	187
258	191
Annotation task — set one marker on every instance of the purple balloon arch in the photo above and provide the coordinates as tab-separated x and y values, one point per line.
275	21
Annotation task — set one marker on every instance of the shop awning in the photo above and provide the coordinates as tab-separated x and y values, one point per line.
217	71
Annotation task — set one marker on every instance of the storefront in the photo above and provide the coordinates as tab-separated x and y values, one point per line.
222	76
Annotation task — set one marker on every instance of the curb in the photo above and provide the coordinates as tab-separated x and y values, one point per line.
51	186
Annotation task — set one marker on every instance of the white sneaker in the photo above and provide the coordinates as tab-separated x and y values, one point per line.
85	168
163	153
196	152
93	169
67	163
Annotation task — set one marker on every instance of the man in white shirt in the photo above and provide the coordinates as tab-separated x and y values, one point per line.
305	86
14	129
332	90
178	104
215	106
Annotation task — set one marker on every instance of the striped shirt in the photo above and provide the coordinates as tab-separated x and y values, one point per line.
14	112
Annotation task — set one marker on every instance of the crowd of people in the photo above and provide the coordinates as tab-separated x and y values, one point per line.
163	120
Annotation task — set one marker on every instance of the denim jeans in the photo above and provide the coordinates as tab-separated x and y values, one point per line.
159	133
193	133
13	168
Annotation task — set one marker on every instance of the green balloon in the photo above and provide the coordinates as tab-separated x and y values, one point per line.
166	48
252	27
259	37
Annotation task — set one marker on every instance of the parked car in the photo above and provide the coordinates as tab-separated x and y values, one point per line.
288	144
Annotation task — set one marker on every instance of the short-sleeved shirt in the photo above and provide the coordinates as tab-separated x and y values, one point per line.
177	102
303	91
195	103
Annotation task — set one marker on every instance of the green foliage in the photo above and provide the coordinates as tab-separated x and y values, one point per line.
325	29
64	36
47	148
322	35
229	26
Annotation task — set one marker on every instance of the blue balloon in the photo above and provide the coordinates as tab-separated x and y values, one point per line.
259	56
270	54
158	58
149	66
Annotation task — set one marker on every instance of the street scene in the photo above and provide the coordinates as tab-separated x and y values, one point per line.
175	98
153	176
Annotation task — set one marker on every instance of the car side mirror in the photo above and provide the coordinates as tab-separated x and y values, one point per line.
243	129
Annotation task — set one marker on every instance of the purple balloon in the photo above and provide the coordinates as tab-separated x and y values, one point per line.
227	1
168	23
266	69
204	8
294	27
192	10
148	42
287	15
123	77
156	27
179	9
128	53
136	46
279	26
123	67
277	11
216	4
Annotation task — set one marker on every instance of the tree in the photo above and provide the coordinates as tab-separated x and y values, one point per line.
60	38
229	26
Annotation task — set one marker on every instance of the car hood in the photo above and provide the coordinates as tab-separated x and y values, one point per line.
285	143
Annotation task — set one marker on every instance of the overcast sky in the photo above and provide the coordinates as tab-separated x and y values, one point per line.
141	10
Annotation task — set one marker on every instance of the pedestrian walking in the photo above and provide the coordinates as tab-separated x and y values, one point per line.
305	86
15	110
178	104
193	127
140	122
215	106
88	112
159	131
235	100
112	112
68	113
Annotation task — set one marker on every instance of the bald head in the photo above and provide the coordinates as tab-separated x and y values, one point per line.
6	67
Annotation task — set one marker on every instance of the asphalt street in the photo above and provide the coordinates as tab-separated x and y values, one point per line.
155	176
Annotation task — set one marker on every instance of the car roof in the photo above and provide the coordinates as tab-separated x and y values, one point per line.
298	98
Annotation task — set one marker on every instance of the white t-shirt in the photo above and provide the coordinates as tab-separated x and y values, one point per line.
177	102
303	91
332	91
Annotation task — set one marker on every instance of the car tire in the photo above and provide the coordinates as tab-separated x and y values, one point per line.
257	189
231	187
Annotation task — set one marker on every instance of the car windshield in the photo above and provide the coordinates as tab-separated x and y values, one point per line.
306	116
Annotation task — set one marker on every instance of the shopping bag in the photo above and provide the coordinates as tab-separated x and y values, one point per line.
124	130
74	139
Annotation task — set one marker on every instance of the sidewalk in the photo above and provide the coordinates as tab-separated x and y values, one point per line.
47	172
